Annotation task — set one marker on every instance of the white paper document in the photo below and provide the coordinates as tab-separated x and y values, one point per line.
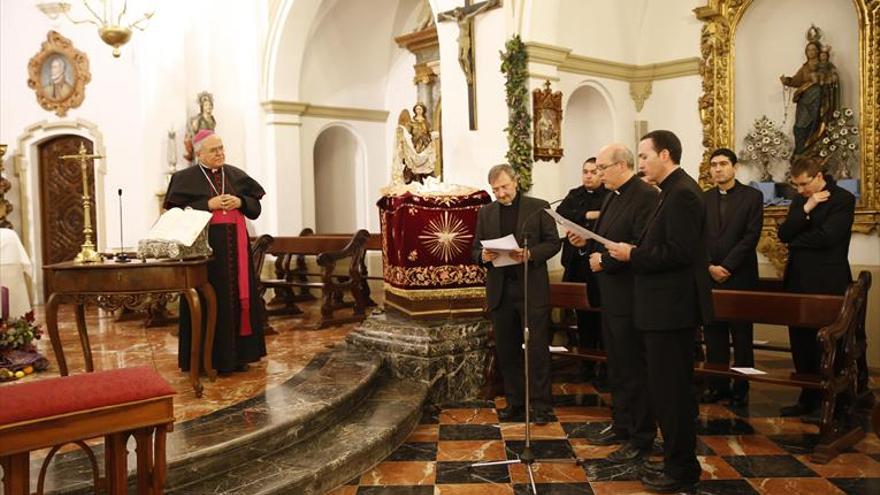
503	246
554	348
748	371
577	229
178	225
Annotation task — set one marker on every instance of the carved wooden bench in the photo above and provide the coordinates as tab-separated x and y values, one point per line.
113	404
841	337
328	252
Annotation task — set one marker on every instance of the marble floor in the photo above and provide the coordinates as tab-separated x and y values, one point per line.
742	451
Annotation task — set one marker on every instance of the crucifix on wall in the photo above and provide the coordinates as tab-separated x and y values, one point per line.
464	17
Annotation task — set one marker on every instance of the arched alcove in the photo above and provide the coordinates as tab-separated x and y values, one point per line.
588	125
339	164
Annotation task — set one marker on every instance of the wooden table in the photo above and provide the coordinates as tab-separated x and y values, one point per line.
113	285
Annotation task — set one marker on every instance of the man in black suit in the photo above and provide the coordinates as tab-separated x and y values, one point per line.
623	218
581	206
817	230
734	216
522	216
672	298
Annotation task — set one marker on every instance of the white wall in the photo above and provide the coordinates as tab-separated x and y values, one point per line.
758	64
338	158
468	155
588	125
134	100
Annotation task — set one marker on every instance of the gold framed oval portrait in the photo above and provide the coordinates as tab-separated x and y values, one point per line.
58	74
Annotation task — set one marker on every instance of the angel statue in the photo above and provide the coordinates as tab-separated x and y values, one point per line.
415	150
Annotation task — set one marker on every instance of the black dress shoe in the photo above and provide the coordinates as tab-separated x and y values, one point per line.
799	409
241	367
512	415
605	437
712	396
627	453
661	482
653	466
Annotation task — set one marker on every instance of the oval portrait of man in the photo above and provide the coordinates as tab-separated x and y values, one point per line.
56	77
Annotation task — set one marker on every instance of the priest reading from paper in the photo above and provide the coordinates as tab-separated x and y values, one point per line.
230	195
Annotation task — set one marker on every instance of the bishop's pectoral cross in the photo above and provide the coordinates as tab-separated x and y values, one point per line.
464	17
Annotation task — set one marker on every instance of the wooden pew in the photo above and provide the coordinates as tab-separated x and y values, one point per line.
841	337
328	250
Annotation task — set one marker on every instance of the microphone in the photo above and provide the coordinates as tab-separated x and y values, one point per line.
121	256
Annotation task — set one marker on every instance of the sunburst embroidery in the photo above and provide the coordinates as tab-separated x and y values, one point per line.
445	237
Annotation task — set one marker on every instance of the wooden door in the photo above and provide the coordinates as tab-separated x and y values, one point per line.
61	208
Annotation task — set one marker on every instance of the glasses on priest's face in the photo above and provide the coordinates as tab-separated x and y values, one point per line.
602	167
803	182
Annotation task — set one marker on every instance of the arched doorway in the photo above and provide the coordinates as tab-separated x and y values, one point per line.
61	202
339	161
588	125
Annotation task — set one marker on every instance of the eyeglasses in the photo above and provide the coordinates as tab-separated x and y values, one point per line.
803	184
605	166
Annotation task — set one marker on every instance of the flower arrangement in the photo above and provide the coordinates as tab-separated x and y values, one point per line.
18	354
764	144
840	146
519	120
20	332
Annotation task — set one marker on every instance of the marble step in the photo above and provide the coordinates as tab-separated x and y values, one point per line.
321	395
334	456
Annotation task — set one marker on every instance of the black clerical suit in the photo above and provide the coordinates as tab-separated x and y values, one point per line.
733	224
818	263
504	294
672	298
574	207
233	347
624	215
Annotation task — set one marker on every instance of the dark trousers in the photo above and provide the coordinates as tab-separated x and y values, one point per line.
627	372
507	321
718	336
590	329
670	356
807	360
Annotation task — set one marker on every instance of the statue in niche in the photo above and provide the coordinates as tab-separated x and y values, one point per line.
203	120
415	150
816	94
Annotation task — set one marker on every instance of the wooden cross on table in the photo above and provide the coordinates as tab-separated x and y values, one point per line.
464	17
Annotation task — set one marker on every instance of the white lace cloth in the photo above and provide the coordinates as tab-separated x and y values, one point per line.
15	268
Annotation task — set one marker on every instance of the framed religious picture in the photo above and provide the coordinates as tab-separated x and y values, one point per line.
547	121
58	74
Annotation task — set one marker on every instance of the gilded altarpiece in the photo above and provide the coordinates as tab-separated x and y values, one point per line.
721	18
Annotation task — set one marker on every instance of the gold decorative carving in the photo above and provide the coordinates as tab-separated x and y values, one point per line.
435	277
446	237
5	185
640	91
426	295
720	19
58	74
547	122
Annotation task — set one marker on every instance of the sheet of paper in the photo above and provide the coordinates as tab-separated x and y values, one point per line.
182	226
748	371
577	229
554	348
503	246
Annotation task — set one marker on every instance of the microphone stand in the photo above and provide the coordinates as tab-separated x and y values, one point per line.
121	256
527	456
